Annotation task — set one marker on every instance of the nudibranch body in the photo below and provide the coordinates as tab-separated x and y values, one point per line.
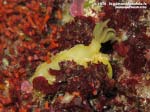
80	54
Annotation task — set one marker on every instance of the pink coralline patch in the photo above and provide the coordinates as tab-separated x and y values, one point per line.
147	55
76	8
26	87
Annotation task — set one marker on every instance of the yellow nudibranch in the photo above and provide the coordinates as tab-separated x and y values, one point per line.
80	53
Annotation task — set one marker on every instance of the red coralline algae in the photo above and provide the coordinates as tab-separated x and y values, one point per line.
121	49
78	31
135	60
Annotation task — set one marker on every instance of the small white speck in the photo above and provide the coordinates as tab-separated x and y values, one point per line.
4	2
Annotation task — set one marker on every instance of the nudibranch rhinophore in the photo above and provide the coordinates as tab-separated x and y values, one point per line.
80	53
